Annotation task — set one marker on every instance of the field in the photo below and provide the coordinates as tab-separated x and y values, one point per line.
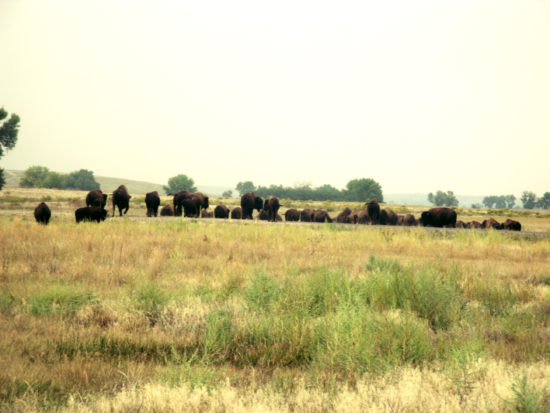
173	314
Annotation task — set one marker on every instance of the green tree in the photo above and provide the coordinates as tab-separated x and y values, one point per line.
55	180
443	198
528	199
510	201
363	190
227	194
8	136
244	187
34	177
488	201
544	201
179	183
82	179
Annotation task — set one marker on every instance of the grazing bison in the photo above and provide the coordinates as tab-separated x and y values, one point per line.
90	214
249	203
167	211
511	225
387	217
237	213
221	211
42	213
491	223
307	215
292	215
272	205
321	216
121	200
342	217
473	224
438	217
152	202
409	220
96	198
373	209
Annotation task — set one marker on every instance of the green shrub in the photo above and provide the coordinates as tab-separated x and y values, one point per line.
218	336
528	399
59	300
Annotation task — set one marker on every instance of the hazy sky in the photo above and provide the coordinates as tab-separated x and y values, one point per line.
418	95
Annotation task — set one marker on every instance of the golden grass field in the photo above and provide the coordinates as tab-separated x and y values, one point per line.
178	314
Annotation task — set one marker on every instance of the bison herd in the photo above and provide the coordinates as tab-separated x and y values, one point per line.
196	204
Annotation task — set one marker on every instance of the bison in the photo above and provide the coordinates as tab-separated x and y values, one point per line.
192	203
121	200
491	223
409	220
272	205
438	217
96	198
292	215
221	211
237	213
321	216
152	202
90	214
342	217
307	215
42	213
387	217
167	211
511	225
473	224
249	203
373	210
461	224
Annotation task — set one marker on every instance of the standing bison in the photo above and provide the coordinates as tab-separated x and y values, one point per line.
96	198
152	202
272	205
307	215
249	203
97	214
373	209
438	217
42	213
321	216
121	200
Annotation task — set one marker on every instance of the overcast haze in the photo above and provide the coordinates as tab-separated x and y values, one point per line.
418	95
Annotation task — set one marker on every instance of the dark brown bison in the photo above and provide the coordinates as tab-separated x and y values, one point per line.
307	215
96	198
511	225
409	220
373	209
399	220
221	211
207	214
237	213
249	203
362	217
473	224
491	223
191	203
177	202
387	217
121	200
438	217
263	215
461	224
342	217
167	211
90	214
272	205
292	215
321	216
152	202
42	213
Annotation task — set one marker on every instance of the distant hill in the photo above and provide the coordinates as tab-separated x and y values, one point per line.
109	184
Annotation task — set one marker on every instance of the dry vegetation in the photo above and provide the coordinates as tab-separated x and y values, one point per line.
190	315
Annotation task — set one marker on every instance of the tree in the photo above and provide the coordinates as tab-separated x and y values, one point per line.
244	187
82	179
443	198
488	201
55	180
227	194
34	177
363	190
510	201
179	183
8	136
528	199
544	201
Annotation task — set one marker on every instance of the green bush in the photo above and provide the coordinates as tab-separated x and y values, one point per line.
59	300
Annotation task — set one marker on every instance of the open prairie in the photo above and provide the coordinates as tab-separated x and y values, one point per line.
177	314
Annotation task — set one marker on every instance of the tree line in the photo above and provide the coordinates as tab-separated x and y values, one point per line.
42	177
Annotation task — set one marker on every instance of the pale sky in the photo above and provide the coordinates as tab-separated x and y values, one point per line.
418	95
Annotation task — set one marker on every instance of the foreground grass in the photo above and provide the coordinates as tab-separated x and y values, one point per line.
183	315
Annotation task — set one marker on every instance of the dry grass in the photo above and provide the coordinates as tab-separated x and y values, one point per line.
179	314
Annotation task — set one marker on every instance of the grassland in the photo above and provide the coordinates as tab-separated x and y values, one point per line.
175	314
